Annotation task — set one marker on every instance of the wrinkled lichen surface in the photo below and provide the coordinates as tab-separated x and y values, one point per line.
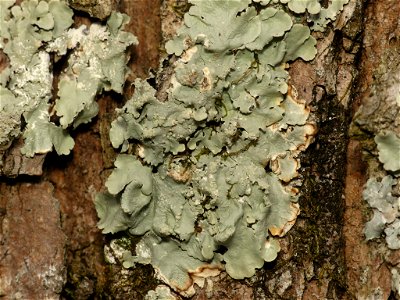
34	36
208	174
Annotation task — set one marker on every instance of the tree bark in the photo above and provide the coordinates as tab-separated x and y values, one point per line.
51	248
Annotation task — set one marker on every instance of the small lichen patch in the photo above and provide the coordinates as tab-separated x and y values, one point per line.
393	235
284	228
327	15
386	209
389	150
396	281
312	6
161	292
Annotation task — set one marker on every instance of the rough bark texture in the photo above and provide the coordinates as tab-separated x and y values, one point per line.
50	246
32	252
369	264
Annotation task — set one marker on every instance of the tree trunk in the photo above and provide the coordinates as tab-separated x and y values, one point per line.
51	248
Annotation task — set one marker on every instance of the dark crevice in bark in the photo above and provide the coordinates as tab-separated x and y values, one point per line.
316	241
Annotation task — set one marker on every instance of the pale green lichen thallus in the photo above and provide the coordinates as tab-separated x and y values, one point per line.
197	186
96	61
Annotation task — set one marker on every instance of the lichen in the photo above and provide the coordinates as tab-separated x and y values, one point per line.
388	145
312	6
30	34
385	208
28	81
326	15
376	127
396	281
161	292
195	182
392	233
318	16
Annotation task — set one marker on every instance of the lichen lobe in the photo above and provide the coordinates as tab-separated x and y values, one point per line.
229	117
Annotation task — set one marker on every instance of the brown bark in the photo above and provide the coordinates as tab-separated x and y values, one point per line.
33	243
369	264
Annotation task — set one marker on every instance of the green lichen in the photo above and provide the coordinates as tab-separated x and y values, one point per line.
392	233
298	7
25	29
389	150
386	209
395	281
30	33
197	165
318	16
162	292
326	15
9	127
196	187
